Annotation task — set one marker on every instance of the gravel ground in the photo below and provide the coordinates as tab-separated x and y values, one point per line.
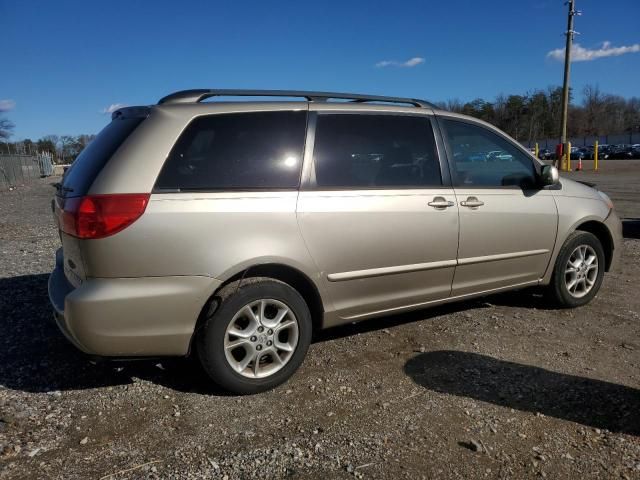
503	387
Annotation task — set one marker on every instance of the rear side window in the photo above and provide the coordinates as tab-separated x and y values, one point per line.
237	151
95	156
375	151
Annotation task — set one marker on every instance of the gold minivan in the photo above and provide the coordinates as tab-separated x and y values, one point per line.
234	230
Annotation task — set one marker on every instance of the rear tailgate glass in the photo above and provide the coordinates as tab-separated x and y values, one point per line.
87	166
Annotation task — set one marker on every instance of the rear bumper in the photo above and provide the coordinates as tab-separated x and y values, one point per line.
128	317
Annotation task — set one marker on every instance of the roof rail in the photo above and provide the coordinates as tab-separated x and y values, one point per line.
198	95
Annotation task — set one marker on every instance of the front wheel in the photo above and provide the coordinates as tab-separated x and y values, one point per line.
257	337
578	271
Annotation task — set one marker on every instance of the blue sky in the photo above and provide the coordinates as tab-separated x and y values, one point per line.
64	62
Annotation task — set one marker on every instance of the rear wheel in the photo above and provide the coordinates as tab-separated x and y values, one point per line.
257	337
578	271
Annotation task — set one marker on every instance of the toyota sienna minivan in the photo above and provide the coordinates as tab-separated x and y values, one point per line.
234	230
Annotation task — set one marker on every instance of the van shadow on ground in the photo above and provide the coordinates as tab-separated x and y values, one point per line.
631	228
525	298
590	402
35	356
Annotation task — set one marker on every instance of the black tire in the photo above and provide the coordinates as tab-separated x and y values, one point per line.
558	288
210	338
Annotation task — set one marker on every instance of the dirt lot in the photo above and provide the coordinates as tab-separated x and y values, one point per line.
504	387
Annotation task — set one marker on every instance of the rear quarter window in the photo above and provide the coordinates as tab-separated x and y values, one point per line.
95	156
237	151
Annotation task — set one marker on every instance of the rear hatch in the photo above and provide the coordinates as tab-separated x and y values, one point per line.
77	182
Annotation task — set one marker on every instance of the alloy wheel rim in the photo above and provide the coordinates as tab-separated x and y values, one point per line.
581	271
261	338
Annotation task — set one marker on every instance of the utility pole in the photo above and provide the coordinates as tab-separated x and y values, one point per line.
567	68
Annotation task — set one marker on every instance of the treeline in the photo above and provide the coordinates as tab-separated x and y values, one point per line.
536	115
65	148
527	118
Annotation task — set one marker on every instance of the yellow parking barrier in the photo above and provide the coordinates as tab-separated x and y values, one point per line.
537	151
595	156
568	158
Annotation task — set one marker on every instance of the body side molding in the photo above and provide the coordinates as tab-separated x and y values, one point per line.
379	272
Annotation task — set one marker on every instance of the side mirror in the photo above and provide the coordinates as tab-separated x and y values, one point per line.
549	175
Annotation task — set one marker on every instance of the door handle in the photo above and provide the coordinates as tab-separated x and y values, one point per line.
440	203
472	202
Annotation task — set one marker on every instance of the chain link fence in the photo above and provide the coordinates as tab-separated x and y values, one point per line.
20	169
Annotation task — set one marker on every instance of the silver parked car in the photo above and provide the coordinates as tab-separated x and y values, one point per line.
236	229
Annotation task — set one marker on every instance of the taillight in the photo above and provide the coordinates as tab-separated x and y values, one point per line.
98	216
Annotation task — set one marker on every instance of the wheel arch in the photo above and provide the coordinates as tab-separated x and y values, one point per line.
602	233
283	272
594	224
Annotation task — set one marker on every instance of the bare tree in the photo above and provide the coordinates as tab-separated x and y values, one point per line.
536	115
6	127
